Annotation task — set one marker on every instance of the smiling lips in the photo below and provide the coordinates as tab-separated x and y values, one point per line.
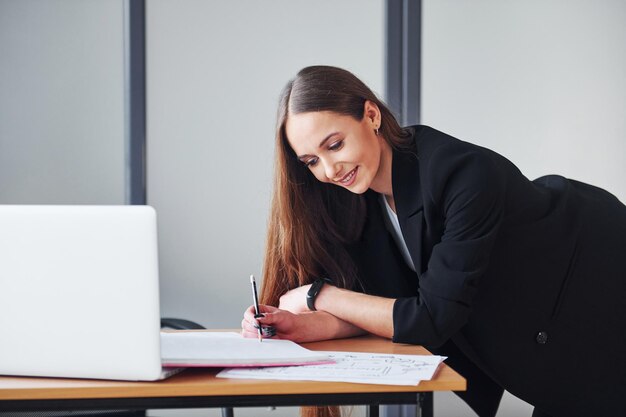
348	179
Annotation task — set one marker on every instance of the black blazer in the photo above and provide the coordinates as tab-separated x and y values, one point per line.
516	282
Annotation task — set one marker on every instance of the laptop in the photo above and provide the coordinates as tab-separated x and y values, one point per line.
79	292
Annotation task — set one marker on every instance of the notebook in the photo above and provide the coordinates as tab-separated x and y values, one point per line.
79	292
229	349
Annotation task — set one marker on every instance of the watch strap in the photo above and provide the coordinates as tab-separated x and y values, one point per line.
314	291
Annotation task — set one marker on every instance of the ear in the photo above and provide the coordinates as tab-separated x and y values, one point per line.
371	112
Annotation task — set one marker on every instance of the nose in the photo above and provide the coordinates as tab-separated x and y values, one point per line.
330	168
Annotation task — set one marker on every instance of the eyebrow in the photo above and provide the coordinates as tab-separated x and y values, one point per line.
330	135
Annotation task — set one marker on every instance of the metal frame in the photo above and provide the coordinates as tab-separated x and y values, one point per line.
403	96
403	59
279	400
135	100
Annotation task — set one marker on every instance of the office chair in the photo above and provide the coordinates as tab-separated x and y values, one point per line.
179	324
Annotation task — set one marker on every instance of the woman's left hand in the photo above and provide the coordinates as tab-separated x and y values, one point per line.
295	300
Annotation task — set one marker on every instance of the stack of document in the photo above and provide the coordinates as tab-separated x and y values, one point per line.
277	359
366	368
228	349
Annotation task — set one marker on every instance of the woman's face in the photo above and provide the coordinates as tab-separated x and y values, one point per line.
339	149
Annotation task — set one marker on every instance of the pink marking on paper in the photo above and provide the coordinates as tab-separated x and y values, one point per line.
239	365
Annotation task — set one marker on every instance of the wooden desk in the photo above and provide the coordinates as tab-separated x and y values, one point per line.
199	388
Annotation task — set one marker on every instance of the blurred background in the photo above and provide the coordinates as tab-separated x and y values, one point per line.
541	82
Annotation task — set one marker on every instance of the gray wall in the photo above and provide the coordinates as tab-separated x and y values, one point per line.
61	102
215	70
541	82
214	73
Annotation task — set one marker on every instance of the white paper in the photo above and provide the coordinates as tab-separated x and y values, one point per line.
367	368
231	349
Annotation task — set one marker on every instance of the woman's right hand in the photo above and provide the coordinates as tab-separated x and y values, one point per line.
303	327
286	324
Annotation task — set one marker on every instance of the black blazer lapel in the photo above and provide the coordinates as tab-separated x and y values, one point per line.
407	195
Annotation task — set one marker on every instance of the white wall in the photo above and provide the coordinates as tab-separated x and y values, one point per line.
541	82
61	102
214	74
215	71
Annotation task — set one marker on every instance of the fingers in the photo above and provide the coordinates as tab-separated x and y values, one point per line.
251	322
249	313
267	332
275	323
247	327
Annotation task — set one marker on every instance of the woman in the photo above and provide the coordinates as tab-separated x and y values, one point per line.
430	240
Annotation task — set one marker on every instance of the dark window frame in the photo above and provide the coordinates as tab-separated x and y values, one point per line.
135	100
403	59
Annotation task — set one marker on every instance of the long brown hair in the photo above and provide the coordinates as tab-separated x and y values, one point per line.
311	222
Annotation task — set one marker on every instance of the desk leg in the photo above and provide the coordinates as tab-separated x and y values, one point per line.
426	404
227	412
372	410
423	407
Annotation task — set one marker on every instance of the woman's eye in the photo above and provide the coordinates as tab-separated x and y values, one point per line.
336	145
311	162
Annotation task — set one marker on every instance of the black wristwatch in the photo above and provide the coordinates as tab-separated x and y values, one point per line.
314	291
